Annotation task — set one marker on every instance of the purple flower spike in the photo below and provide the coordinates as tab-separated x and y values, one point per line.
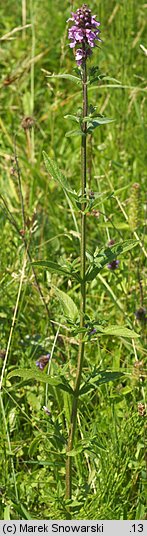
42	361
113	265
84	32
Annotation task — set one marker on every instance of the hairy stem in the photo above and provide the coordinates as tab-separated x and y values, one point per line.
83	293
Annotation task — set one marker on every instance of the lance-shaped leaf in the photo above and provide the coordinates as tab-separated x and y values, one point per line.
32	374
92	273
58	176
85	445
120	331
98	378
70	77
52	267
72	117
99	120
104	256
94	122
68	304
57	269
72	133
55	172
117	249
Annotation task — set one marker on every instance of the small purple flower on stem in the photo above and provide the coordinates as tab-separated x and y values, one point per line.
92	332
42	361
47	411
141	315
113	265
81	55
111	242
84	32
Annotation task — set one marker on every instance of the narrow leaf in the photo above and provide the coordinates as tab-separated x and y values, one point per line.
58	176
98	120
91	275
72	133
120	331
57	269
52	267
122	247
7	513
70	77
98	379
81	448
75	451
21	510
102	257
72	117
32	374
55	172
110	79
68	304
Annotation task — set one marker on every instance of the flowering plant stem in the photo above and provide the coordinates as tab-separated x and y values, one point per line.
83	290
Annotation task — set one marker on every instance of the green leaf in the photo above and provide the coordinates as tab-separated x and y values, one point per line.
68	304
100	198
65	386
34	444
94	122
102	257
32	374
120	331
126	390
72	117
21	510
121	248
57	269
7	513
72	133
54	171
98	378
83	447
117	249
100	261
99	120
75	451
52	267
70	77
91	274
111	79
58	176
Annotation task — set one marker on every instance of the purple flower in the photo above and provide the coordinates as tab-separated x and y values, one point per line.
84	32
113	265
47	411
79	56
42	361
92	332
141	315
111	242
76	34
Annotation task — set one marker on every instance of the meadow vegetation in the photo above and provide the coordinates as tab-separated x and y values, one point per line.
39	222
